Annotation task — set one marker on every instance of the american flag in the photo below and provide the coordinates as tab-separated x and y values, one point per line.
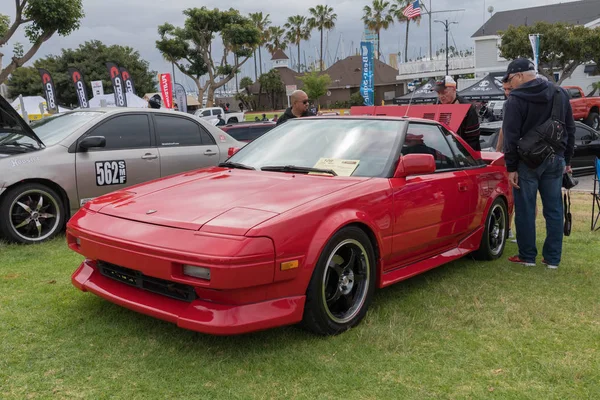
413	10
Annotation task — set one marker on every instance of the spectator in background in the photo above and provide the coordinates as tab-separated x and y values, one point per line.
507	88
221	120
299	108
264	117
275	118
241	106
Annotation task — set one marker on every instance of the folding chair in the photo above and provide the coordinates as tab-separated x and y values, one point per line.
596	197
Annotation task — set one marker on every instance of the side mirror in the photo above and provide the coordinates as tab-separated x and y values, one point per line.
415	164
92	141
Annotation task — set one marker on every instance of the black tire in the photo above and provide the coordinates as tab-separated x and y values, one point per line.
325	317
233	120
494	237
25	219
593	120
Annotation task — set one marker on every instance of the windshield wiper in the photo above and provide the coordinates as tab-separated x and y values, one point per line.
294	168
16	149
229	164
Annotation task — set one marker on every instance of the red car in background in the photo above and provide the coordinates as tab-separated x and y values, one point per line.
248	131
299	226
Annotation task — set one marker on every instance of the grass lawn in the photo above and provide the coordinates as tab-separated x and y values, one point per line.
464	330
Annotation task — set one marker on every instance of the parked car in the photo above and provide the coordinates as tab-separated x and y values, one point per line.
49	169
299	226
585	109
248	131
587	145
212	114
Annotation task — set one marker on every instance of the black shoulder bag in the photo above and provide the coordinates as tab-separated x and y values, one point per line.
544	140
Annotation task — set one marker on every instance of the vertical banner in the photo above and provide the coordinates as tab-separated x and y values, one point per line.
49	91
166	89
80	89
367	85
127	80
181	97
535	45
97	88
117	82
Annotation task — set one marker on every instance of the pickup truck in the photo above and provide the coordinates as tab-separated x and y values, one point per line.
586	109
211	114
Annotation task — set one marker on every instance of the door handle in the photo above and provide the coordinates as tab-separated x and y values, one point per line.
463	187
210	153
149	156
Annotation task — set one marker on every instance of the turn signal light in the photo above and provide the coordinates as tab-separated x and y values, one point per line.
289	265
197	272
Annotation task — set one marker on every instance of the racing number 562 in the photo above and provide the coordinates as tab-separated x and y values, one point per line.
111	173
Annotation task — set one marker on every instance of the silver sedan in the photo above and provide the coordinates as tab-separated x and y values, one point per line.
48	170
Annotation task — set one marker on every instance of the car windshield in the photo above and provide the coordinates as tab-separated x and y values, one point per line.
54	129
350	147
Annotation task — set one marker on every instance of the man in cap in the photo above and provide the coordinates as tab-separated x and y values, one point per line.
530	105
469	128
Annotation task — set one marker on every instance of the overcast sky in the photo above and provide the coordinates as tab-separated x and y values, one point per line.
134	23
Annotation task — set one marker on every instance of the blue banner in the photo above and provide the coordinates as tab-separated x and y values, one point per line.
367	86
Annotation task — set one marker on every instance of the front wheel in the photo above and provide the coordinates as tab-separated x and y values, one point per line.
31	213
593	121
342	284
495	234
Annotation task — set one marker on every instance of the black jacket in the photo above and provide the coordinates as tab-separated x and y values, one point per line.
469	128
529	106
288	114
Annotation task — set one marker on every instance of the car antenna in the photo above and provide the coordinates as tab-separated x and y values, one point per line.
409	103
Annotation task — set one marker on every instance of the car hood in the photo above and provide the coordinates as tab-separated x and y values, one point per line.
17	121
219	200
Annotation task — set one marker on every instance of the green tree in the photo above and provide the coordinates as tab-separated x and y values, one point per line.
563	47
245	82
90	58
271	83
239	37
379	16
356	99
176	47
262	23
41	19
322	18
276	39
298	31
315	84
400	7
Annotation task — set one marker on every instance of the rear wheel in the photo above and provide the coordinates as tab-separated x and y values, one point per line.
342	284
593	120
496	230
31	213
232	120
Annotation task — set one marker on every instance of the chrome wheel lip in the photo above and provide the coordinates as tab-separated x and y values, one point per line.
362	287
496	229
35	214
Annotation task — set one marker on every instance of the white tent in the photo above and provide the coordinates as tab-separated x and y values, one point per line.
132	101
32	106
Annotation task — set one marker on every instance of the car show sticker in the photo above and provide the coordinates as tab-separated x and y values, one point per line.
339	166
111	172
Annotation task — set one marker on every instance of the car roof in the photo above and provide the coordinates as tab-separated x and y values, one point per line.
248	123
122	110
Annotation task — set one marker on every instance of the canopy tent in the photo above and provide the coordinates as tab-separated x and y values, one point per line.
132	101
423	94
191	100
489	88
32	107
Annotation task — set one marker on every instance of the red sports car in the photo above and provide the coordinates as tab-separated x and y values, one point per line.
299	226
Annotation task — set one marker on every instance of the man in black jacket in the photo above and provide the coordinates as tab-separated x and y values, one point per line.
299	107
528	106
469	128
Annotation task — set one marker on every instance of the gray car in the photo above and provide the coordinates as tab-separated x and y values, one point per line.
48	170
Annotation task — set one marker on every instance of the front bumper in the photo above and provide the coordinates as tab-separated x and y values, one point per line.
198	315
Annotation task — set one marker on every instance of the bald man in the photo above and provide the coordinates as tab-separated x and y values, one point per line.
299	108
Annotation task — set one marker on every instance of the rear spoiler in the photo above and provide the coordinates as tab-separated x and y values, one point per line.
493	158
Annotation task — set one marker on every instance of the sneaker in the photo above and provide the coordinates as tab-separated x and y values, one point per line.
549	266
517	260
510	234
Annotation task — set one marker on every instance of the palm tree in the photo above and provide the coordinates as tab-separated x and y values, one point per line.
322	18
379	17
298	31
276	39
401	5
262	23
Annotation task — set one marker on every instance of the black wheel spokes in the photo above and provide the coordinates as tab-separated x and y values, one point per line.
496	230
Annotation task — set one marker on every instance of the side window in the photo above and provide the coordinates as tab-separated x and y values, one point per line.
216	111
428	139
206	113
574	93
239	133
207	138
124	132
259	131
177	131
582	134
462	157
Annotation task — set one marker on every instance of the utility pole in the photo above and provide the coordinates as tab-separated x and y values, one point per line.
447	29
173	65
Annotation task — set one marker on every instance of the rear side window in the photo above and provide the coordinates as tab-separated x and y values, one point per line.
206	113
240	134
177	131
124	132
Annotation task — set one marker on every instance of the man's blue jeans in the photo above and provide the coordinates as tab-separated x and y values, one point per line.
547	178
